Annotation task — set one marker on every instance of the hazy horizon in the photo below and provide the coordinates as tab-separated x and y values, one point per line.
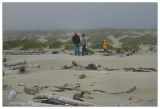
79	16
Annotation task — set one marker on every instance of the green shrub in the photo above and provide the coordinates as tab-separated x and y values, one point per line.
130	47
6	46
149	39
32	44
10	44
26	44
68	46
146	39
55	44
96	46
133	43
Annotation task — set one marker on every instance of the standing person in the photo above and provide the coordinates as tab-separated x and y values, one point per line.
84	43
105	45
76	41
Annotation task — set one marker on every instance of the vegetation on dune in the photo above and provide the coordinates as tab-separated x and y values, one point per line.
68	45
96	45
133	43
130	47
29	39
118	34
25	44
7	45
55	44
149	39
32	44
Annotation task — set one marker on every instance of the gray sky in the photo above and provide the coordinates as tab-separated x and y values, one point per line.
21	16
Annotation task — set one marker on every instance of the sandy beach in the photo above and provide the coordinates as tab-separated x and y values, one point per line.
51	74
116	44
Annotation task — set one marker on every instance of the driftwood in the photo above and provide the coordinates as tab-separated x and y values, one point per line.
19	63
129	53
66	86
24	66
62	99
18	67
127	91
34	89
30	103
141	69
82	94
67	67
147	69
34	66
110	69
76	66
31	90
97	90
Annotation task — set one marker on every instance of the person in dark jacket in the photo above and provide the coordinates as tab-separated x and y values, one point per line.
76	42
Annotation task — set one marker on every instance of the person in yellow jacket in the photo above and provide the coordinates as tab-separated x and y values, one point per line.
105	45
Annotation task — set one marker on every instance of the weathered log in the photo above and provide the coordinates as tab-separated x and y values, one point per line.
18	67
48	101
67	67
62	99
31	90
66	86
19	63
97	90
34	66
78	96
148	69
110	69
141	69
127	91
30	103
63	87
129	53
23	66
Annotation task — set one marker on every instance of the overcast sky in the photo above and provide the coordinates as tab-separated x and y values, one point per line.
21	16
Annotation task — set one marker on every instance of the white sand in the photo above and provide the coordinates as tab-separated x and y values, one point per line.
111	81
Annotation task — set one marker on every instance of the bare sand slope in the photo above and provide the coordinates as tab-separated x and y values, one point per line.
111	81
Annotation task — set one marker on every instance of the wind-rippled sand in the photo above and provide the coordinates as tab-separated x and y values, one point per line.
50	74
